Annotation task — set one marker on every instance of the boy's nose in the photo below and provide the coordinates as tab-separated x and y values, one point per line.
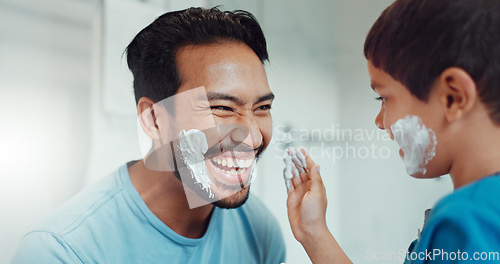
379	120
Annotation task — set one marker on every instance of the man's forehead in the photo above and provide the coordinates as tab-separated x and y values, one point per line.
226	66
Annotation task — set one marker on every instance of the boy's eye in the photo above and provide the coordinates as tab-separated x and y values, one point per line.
221	108
380	98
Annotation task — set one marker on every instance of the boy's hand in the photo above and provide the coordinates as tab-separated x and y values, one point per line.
306	200
307	208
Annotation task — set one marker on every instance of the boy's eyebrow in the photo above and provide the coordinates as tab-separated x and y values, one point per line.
375	85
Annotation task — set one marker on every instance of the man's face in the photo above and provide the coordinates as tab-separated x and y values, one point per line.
398	103
239	101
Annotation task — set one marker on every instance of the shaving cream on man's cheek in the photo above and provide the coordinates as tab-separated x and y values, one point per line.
417	142
193	146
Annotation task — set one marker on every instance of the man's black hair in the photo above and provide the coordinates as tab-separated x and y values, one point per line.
416	40
151	56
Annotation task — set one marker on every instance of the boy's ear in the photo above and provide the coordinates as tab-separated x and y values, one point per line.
457	92
147	117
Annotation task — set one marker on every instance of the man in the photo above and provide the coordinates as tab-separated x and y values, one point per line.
208	66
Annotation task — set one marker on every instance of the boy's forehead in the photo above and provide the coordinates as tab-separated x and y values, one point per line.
378	77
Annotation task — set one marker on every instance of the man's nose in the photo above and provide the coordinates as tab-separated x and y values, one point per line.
248	133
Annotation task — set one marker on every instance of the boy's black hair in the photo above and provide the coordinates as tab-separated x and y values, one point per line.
416	40
151	56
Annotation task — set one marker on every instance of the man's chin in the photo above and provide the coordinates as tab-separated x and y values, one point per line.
233	201
221	196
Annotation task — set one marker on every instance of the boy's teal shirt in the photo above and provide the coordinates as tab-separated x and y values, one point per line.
463	227
110	223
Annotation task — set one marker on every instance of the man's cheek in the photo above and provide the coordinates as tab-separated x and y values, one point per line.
267	132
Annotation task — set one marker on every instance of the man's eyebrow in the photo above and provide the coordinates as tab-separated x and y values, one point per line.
269	96
212	96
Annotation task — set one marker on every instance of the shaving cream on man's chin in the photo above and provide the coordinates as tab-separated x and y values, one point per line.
417	142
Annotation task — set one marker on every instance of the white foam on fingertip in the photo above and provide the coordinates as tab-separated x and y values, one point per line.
295	171
302	158
287	173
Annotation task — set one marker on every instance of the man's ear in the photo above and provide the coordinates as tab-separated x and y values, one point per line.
147	118
457	92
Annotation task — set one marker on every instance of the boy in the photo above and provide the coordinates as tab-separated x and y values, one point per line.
436	67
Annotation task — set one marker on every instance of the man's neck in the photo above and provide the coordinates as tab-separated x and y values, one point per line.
164	195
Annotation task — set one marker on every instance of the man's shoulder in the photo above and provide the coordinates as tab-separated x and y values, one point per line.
64	234
74	213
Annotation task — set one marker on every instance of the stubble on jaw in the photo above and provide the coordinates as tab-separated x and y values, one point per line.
234	200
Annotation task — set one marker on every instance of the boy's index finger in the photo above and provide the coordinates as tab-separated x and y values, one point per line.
309	162
311	167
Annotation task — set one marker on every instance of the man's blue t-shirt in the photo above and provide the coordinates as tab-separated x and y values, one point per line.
109	223
463	227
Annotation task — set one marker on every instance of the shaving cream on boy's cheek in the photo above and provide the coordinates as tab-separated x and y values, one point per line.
417	142
193	146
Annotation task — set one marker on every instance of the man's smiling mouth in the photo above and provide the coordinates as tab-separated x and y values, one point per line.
232	168
231	165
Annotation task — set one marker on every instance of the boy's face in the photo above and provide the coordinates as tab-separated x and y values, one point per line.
398	103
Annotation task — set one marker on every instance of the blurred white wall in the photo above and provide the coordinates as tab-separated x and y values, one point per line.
44	91
68	113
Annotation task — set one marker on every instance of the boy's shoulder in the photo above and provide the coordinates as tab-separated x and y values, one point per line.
470	211
481	195
467	220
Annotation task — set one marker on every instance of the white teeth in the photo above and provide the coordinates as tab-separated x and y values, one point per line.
234	163
233	172
230	163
